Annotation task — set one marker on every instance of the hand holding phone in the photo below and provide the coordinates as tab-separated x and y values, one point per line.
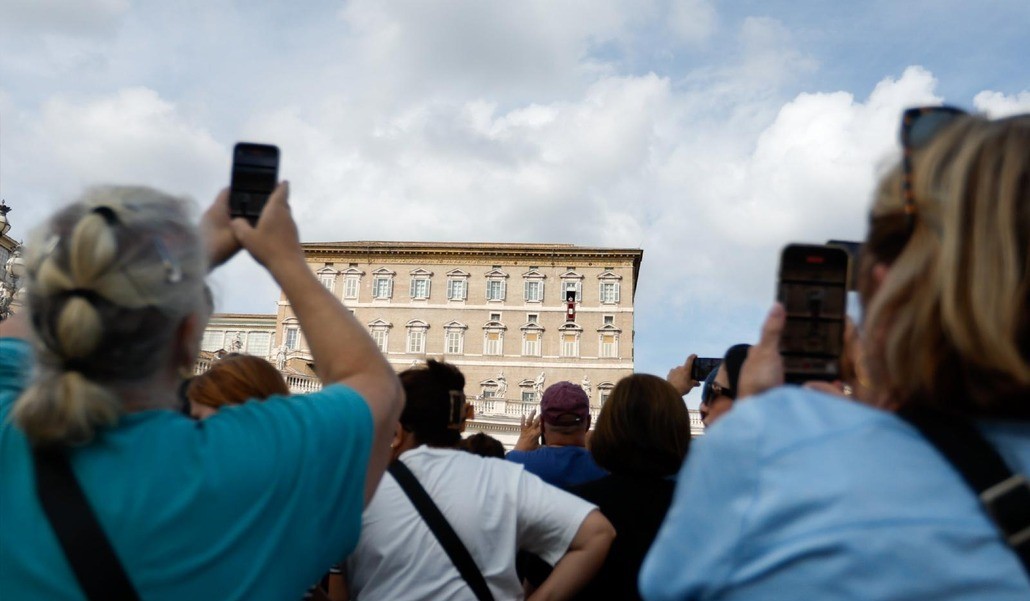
255	174
813	291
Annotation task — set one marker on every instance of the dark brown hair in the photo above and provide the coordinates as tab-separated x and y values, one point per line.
643	428
427	407
234	380
482	444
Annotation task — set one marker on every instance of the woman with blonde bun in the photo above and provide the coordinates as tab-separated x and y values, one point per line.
254	503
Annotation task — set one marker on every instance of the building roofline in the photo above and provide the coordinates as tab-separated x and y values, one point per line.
555	253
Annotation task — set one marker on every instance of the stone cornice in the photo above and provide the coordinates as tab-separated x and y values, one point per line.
464	252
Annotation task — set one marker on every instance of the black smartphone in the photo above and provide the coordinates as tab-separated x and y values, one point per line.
255	173
702	367
812	287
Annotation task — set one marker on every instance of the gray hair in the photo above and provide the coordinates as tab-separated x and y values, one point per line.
111	277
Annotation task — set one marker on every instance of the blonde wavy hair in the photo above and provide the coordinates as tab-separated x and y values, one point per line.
110	279
950	325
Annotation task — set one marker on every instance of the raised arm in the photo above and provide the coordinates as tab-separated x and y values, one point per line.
342	349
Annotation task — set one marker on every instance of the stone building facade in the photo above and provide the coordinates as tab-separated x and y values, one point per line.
496	311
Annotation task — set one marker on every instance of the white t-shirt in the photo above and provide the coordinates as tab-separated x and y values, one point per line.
496	508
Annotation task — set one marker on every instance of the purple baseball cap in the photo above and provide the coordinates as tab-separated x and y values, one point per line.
564	404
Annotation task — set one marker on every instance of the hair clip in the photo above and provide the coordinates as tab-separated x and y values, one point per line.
173	273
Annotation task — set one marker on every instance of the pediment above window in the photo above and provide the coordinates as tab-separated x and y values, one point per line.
380	323
609	275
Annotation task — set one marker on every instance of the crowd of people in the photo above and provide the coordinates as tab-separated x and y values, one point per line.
906	479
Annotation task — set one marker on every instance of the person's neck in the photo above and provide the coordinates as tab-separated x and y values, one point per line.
147	395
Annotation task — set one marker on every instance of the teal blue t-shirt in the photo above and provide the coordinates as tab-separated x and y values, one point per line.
255	502
796	494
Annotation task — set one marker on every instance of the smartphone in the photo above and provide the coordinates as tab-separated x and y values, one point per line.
812	287
255	173
702	367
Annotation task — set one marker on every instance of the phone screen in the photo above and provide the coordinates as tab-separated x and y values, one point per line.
813	290
255	173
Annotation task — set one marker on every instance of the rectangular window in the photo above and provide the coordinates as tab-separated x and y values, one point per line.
259	343
327	281
489	394
495	290
609	293
350	287
453	342
495	317
382	287
531	344
379	336
603	393
493	343
528	396
609	346
532	318
292	335
569	345
609	320
456	289
572	286
212	340
534	291
420	288
416	341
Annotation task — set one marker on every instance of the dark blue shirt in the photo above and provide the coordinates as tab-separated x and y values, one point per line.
559	466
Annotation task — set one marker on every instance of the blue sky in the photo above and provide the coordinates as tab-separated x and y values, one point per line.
709	134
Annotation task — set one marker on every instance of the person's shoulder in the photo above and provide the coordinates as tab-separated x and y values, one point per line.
793	416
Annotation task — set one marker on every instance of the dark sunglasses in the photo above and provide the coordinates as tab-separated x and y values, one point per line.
918	127
714	390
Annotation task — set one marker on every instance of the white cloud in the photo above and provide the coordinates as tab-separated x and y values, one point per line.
693	21
997	104
133	136
67	17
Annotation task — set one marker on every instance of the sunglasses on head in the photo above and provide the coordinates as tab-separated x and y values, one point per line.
918	127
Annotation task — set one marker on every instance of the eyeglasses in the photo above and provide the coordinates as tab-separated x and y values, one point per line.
714	390
918	127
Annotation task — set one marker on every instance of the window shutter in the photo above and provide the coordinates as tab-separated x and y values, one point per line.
411	288
429	285
504	286
526	287
389	288
617	286
541	294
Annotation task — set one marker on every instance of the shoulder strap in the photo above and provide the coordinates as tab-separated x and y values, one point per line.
92	558
1005	495
442	530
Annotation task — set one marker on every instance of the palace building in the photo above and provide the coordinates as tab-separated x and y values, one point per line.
499	312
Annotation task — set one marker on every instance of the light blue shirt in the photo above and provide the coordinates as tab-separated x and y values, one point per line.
256	502
800	495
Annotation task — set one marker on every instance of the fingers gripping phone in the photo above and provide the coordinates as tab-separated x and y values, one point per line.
255	173
813	290
702	367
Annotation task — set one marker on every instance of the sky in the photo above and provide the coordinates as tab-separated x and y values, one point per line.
709	134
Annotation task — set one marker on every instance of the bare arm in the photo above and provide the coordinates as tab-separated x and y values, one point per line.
679	376
581	562
342	349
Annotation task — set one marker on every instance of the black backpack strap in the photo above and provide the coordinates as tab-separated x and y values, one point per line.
1005	495
92	558
442	530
